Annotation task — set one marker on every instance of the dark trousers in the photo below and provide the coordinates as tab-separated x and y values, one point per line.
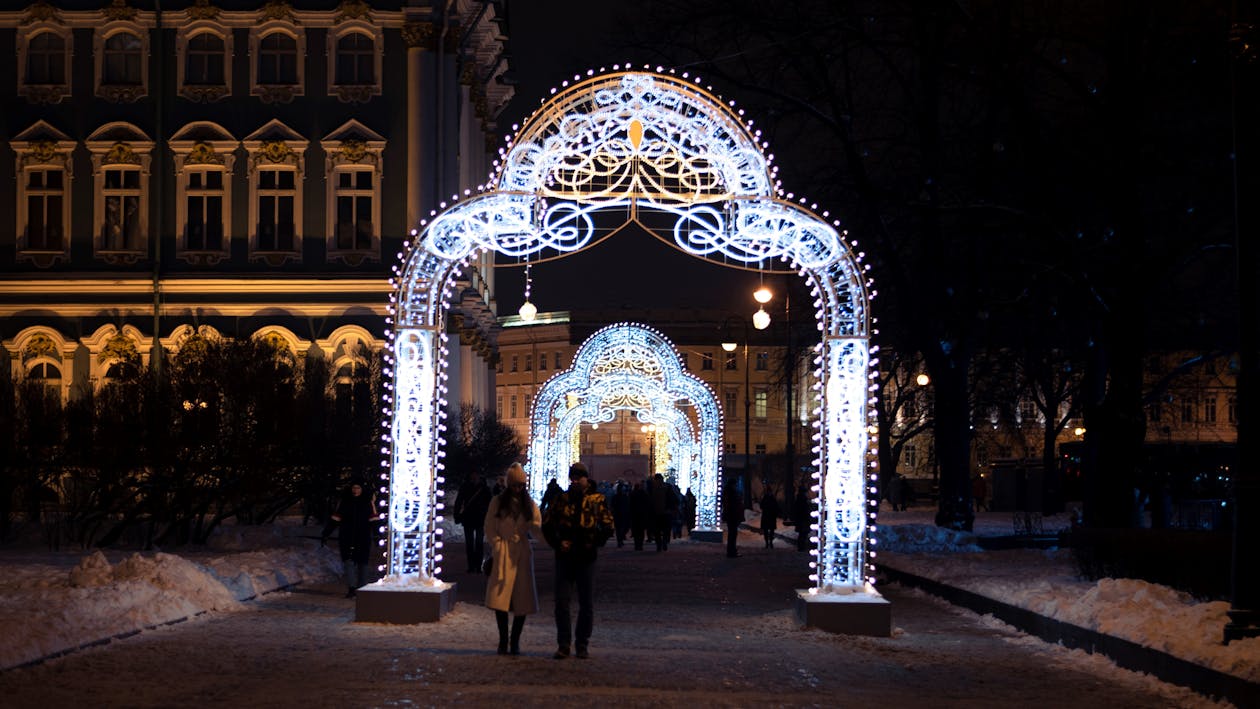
572	573
474	545
732	534
661	524
639	533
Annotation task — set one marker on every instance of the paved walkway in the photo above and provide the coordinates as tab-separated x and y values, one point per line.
687	627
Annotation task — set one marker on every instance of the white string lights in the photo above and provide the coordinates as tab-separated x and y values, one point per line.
639	141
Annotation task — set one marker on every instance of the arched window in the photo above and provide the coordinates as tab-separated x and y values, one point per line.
356	60
204	61
123	54
277	59
46	59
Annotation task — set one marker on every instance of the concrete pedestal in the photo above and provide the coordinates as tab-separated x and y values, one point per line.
403	606
706	535
859	613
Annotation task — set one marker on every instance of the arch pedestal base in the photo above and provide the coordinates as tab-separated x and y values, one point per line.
706	535
859	613
403	606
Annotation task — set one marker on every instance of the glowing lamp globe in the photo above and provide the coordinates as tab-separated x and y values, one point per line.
762	295
922	380
729	346
761	319
528	312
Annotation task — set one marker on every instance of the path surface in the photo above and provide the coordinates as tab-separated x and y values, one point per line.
687	627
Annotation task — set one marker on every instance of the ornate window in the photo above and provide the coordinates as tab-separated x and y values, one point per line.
44	52
203	205
204	56
44	169
760	402
278	46
354	56
120	171
122	51
354	192
276	171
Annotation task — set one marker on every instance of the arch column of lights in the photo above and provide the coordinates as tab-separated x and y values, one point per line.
636	142
630	367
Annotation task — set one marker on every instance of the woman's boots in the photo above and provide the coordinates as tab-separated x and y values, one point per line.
500	618
518	624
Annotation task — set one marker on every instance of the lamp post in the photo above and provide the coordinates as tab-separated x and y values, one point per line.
761	320
649	431
730	347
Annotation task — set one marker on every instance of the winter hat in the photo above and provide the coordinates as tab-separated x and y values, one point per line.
516	474
577	470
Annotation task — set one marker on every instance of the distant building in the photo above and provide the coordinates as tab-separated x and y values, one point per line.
235	167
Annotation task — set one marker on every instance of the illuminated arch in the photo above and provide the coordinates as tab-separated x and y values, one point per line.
630	367
636	141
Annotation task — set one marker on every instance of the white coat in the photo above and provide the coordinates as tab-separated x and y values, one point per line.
510	585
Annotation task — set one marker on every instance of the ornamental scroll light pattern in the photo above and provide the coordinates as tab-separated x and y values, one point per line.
652	146
630	367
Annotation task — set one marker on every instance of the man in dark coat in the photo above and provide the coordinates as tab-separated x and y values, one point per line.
802	517
621	512
640	514
471	505
355	515
769	516
664	507
576	525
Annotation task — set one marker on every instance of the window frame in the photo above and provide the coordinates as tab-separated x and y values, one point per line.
45	93
203	93
120	146
121	93
354	92
203	155
277	93
352	148
49	151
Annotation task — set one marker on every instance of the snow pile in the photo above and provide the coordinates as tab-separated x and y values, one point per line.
52	609
1045	582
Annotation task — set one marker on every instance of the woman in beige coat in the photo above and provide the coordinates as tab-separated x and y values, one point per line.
511	520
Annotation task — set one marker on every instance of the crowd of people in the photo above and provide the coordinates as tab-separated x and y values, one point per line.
501	524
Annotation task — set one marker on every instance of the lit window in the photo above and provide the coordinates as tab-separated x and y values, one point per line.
277	197
45	210
356	60
204	198
121	228
123	53
760	403
277	60
352	194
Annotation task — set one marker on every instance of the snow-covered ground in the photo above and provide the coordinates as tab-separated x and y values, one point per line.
1045	582
52	603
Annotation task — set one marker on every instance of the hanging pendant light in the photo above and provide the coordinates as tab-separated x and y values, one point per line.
761	319
528	311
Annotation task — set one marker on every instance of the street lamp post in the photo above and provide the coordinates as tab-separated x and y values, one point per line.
730	347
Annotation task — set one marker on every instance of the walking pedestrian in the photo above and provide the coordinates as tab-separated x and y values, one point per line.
510	522
732	515
689	511
769	516
471	504
979	491
640	514
802	516
664	505
576	525
355	514
621	512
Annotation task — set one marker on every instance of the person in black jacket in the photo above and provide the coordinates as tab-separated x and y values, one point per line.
355	514
470	511
732	515
576	524
769	516
640	514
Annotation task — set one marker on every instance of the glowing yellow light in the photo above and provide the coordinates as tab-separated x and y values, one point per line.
923	380
729	346
528	311
762	295
761	319
1079	431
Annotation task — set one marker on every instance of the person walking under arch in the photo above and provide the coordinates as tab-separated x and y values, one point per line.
576	525
510	522
769	516
471	504
355	514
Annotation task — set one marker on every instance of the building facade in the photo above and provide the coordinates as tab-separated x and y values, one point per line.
240	168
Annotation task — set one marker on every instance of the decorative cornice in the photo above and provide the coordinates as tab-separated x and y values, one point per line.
41	11
203	10
45	93
42	151
203	154
354	94
118	10
421	35
352	10
353	150
274	151
121	154
203	94
276	93
278	10
122	94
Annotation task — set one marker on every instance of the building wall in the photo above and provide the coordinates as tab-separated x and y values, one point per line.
386	109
